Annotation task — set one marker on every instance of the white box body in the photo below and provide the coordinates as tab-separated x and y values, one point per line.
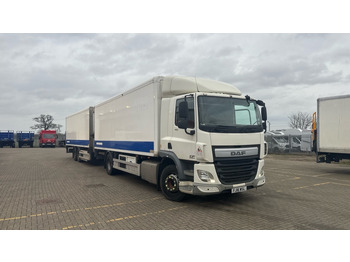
77	129
333	124
130	122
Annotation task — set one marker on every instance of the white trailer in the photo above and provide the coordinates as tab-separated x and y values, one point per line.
186	135
332	128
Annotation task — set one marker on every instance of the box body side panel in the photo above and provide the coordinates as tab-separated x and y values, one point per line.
77	129
334	125
129	123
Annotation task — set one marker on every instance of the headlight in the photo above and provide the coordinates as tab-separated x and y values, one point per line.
261	172
205	176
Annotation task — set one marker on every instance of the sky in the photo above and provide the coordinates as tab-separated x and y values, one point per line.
47	68
52	61
61	74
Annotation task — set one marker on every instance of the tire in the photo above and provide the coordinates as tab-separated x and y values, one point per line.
109	165
75	153
169	184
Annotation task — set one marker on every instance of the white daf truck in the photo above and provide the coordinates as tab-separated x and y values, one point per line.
186	135
331	129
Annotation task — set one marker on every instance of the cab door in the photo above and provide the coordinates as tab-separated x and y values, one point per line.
183	142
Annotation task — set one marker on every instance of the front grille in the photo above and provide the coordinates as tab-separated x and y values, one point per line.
236	171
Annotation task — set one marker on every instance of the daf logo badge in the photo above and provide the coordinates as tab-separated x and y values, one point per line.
238	153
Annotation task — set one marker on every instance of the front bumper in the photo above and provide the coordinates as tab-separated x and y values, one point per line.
205	189
48	144
215	186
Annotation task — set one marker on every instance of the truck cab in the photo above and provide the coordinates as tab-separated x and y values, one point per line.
219	140
47	138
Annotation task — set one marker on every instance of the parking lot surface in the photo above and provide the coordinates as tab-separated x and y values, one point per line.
43	188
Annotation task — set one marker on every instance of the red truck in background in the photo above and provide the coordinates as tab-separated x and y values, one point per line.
47	138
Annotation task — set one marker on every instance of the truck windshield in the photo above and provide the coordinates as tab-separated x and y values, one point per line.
228	115
49	136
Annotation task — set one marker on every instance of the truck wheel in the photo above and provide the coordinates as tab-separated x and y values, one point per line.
109	165
169	183
75	153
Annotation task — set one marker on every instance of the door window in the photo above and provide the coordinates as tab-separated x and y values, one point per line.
190	102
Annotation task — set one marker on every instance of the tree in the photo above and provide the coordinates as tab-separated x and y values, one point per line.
45	122
300	120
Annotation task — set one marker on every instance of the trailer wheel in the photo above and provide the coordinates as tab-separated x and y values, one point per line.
169	183
109	165
75	154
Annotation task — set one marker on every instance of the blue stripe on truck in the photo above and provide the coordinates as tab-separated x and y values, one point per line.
77	142
140	146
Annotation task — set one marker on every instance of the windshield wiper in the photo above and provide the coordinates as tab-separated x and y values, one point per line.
225	128
231	129
250	128
218	128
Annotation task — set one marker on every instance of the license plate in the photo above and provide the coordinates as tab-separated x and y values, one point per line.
238	189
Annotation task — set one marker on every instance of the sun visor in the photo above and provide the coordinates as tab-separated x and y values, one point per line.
173	86
212	86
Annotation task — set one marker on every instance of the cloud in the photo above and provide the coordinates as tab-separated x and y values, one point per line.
65	73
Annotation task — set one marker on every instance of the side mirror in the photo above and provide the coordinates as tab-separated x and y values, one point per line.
183	123
263	113
183	117
264	126
183	110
